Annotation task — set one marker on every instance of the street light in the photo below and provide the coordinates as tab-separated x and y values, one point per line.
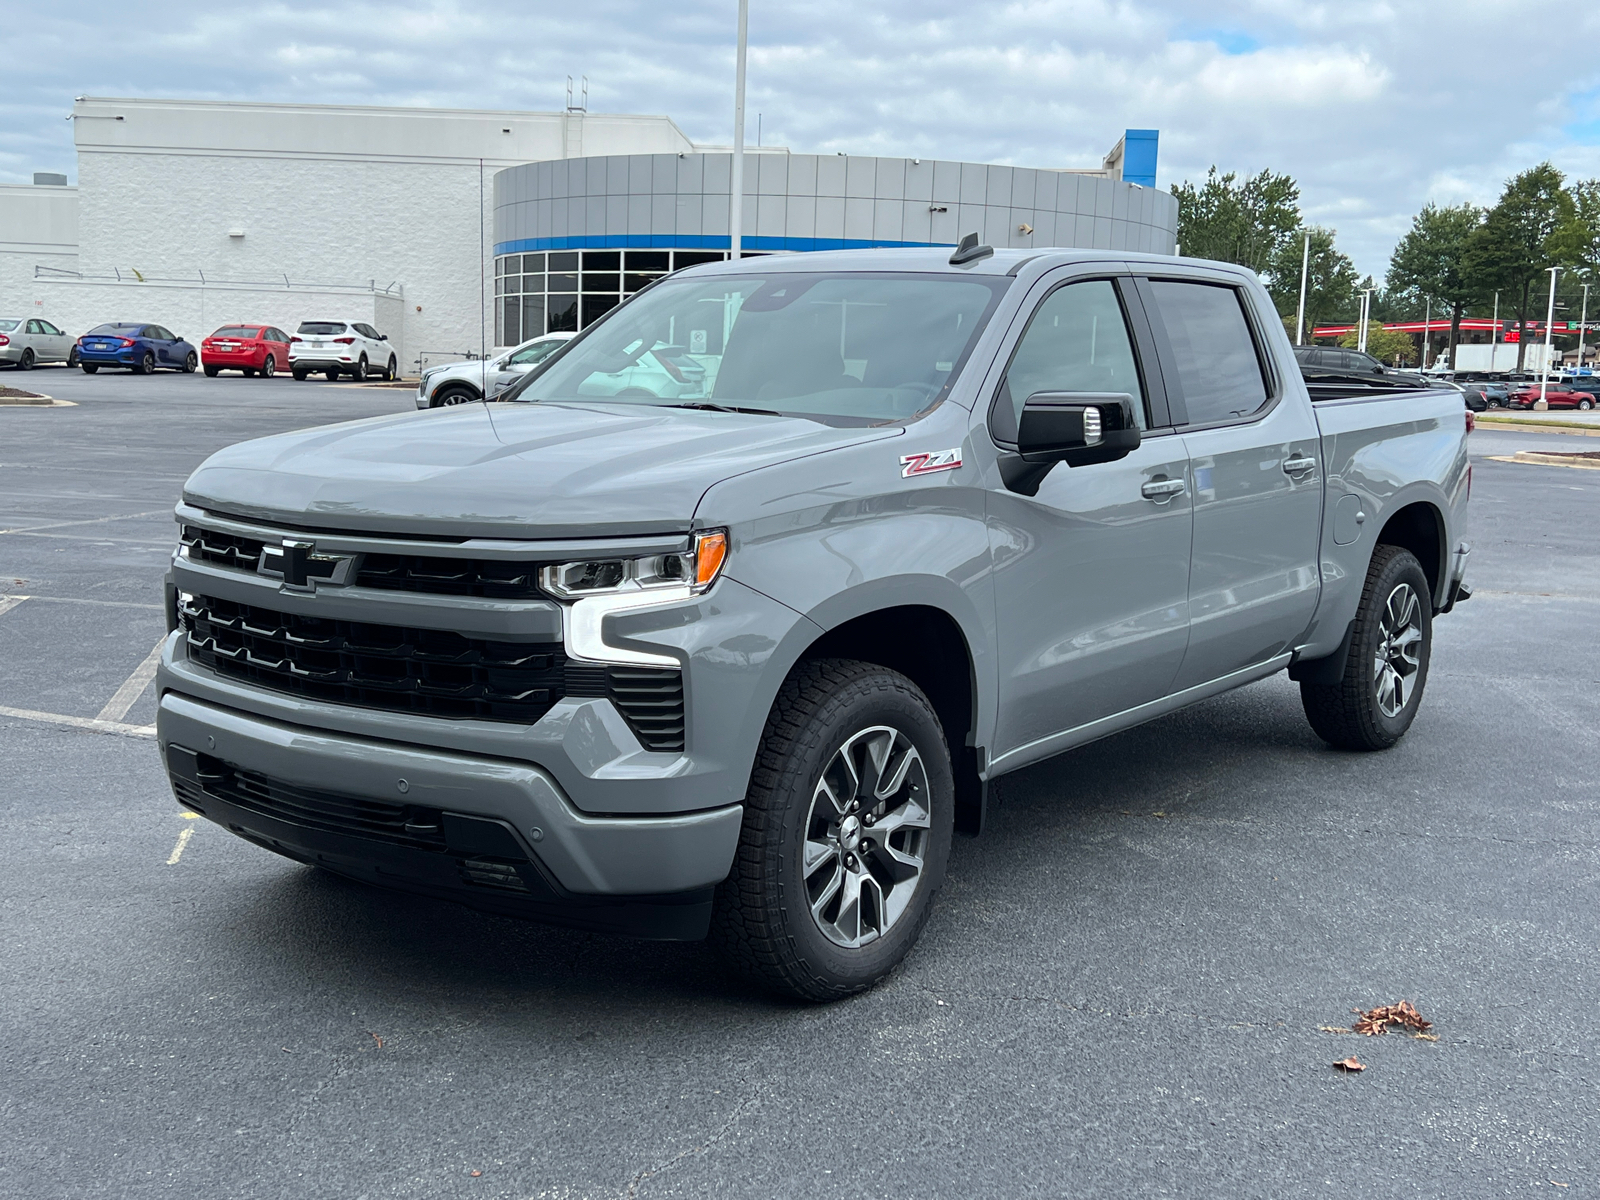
1494	332
1427	321
1305	271
1366	309
736	184
1583	325
1549	334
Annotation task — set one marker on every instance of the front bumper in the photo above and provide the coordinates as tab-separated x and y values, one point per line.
484	832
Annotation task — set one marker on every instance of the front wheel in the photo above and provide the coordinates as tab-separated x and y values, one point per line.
1387	669
847	827
1586	405
72	358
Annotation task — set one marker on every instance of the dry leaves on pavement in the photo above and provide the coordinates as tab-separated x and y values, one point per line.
1351	1065
1398	1016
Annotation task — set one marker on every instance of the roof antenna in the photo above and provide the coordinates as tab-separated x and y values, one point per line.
970	251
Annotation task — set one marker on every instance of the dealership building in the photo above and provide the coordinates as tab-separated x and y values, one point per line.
453	231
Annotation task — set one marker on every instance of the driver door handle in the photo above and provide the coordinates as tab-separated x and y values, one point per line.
1162	489
1293	466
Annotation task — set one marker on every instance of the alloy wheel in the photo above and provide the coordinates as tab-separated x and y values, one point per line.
866	836
1398	654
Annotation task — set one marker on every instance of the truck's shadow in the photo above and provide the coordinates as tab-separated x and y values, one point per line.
327	934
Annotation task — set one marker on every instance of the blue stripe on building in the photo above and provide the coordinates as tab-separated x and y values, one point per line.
690	241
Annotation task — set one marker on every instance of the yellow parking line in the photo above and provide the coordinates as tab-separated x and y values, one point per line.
183	840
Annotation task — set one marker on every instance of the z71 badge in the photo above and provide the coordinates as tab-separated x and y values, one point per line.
929	462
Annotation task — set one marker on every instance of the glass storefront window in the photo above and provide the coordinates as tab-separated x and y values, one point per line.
561	314
595	307
563	283
532	317
649	260
601	283
549	302
565	260
602	260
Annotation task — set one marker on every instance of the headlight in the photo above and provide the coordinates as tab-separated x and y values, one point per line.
695	570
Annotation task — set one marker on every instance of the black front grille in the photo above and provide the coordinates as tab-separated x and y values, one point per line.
398	824
425	573
427	671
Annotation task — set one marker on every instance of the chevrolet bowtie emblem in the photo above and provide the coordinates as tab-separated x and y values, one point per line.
301	568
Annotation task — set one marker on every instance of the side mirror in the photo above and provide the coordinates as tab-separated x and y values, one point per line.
383	337
1077	428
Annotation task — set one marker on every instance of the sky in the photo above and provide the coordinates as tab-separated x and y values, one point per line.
1374	106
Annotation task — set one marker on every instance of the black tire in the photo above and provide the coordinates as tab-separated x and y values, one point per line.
762	920
211	371
25	363
1351	714
269	368
89	368
1585	405
331	374
72	357
146	365
453	395
360	373
391	370
299	375
191	363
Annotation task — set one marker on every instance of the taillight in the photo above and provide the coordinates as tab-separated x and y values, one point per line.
4	340
1472	420
345	341
295	339
127	341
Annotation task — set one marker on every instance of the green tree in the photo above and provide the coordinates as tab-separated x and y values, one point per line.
1246	222
1585	239
1330	283
1386	345
1532	228
1431	262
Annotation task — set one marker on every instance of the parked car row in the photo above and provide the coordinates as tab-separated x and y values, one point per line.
327	348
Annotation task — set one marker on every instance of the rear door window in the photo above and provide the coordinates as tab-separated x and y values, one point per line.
1077	341
1215	364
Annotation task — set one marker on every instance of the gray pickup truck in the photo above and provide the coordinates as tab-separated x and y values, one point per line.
738	659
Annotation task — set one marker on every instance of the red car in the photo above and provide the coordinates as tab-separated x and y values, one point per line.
247	348
1527	397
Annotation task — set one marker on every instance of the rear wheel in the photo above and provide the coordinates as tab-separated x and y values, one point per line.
211	372
25	363
190	363
299	375
847	828
331	374
269	368
146	365
360	373
89	368
1387	669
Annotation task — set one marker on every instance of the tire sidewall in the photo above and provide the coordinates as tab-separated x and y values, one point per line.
1401	568
857	706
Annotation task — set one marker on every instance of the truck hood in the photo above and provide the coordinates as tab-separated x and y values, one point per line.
521	471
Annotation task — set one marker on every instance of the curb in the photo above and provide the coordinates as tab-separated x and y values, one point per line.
1537	459
35	400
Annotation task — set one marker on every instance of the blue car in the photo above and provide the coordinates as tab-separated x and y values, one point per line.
138	346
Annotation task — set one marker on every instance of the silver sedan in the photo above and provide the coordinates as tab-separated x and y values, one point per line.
25	341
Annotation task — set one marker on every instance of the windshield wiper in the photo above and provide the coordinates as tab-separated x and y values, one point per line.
708	406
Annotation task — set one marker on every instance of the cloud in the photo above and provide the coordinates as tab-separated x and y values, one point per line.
1375	106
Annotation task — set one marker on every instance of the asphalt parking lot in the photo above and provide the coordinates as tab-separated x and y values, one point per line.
1121	992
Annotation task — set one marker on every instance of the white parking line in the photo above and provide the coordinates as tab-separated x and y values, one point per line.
92	725
7	603
183	840
91	521
132	687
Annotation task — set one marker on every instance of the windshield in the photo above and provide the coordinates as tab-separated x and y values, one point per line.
847	348
321	327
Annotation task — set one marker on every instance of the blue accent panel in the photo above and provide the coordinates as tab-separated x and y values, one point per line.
695	241
1139	156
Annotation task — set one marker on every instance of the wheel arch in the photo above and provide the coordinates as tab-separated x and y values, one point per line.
1420	528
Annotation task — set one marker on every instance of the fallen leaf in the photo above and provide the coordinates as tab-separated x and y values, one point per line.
1350	1064
1560	1184
1426	1037
475	1174
376	1038
1333	1029
1386	1016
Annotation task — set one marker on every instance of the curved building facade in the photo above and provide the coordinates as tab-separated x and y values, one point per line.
573	237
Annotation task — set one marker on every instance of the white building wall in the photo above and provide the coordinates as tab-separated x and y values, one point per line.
38	227
325	197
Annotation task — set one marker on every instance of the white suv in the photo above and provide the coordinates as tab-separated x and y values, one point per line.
460	382
341	348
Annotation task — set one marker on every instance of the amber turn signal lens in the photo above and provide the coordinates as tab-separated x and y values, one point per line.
710	549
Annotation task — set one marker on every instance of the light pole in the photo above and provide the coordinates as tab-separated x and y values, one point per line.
736	184
1549	333
1366	310
1583	325
1494	332
1300	316
1427	319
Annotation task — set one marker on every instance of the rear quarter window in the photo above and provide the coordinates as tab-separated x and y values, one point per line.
1214	353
